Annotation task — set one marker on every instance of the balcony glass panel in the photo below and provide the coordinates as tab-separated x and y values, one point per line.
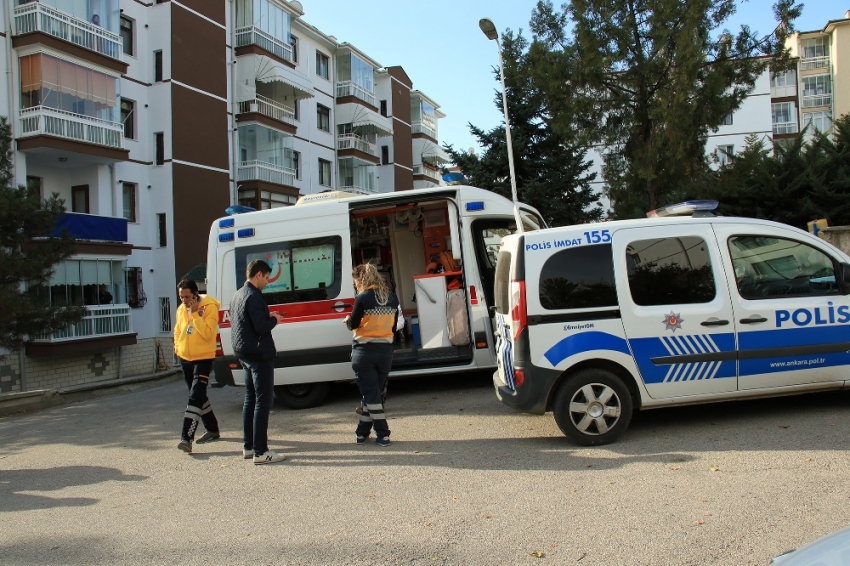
355	174
102	13
265	155
263	23
424	117
815	47
350	67
90	282
92	24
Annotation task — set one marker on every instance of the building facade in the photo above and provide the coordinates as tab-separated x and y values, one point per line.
150	118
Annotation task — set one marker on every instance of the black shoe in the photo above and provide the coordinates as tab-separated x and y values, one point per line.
208	437
185	446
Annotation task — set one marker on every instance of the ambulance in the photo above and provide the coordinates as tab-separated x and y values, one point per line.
596	321
436	248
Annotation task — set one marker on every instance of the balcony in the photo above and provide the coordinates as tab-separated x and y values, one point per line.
99	322
784	128
420	128
44	121
91	227
817	100
267	172
353	141
255	36
814	63
428	172
270	108
37	17
350	88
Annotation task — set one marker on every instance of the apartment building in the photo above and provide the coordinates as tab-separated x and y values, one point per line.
150	118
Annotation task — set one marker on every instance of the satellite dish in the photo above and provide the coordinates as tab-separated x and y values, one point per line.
297	5
471	151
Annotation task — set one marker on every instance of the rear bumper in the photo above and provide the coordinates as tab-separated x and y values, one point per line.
223	371
532	395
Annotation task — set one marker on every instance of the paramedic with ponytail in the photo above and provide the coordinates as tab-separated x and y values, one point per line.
373	323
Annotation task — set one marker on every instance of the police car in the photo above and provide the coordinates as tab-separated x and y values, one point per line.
596	321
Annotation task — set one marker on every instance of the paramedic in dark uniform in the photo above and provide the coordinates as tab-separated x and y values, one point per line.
372	322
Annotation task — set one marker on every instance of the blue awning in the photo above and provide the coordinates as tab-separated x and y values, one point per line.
91	227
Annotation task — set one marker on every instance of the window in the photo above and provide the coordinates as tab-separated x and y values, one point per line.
80	199
302	270
727	120
787	78
128	191
293	41
579	278
248	197
322	64
385	154
817	85
820	121
323	118
815	47
165	314
159	147
383	108
128	118
767	267
782	112
34	185
136	297
89	282
157	66
724	154
503	283
274	200
296	163
324	173
296	106
670	271
163	230
127	34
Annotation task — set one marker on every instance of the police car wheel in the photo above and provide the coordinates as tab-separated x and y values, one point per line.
302	395
593	407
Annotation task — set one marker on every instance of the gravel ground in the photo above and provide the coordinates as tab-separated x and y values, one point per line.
467	481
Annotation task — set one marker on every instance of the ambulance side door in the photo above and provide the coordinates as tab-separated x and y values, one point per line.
793	323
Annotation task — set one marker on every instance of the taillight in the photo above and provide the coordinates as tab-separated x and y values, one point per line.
519	377
519	314
219	351
473	296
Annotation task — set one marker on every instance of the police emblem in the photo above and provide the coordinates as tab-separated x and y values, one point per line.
673	321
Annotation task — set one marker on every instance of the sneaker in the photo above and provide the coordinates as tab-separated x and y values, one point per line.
269	457
383	441
185	446
362	439
247	453
358	411
208	437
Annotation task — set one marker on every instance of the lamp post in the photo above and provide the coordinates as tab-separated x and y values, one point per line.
489	28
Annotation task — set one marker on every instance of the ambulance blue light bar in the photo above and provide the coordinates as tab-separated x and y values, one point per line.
226	237
245	232
477	205
687	208
226	223
238	209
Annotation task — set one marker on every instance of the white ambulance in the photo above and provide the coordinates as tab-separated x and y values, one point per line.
312	247
684	307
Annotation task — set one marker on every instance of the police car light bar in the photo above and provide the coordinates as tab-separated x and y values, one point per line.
686	208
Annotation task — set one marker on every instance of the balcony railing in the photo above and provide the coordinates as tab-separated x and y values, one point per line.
420	128
256	36
814	63
785	127
353	141
41	120
430	173
354	187
106	320
349	88
36	16
817	100
262	171
270	108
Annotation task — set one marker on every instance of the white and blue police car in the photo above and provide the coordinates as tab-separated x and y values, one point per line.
683	307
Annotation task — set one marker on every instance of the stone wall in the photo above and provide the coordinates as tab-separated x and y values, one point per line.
838	236
10	373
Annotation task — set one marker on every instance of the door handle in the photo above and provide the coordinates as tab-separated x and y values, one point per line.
342	306
755	319
714	322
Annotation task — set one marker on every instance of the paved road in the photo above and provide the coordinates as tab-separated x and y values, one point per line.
466	481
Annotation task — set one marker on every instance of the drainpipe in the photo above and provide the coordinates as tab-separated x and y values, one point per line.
234	197
113	188
10	61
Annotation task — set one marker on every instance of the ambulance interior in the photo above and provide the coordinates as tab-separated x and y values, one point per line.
416	247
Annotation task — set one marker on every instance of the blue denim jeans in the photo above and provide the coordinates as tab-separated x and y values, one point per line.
259	397
371	364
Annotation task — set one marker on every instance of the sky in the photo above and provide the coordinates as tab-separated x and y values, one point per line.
444	53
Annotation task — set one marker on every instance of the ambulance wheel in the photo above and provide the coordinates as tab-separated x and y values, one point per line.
302	395
593	407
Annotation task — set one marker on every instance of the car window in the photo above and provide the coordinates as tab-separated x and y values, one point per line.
670	271
503	282
578	278
767	267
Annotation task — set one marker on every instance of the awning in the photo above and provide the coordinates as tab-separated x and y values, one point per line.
197	273
364	120
251	69
436	156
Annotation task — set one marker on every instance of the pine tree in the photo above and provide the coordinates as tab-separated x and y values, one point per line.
551	175
26	264
648	80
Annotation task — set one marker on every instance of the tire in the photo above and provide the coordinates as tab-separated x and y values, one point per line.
601	420
302	395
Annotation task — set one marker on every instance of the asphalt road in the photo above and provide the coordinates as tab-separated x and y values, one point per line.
466	481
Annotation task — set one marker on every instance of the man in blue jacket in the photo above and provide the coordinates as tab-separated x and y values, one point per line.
251	336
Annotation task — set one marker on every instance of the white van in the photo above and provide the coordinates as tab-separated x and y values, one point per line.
598	320
312	247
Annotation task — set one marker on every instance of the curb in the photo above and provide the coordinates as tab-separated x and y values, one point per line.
28	401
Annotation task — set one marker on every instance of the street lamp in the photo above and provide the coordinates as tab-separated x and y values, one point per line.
489	28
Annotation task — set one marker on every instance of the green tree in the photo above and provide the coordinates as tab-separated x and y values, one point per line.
551	174
647	80
26	265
